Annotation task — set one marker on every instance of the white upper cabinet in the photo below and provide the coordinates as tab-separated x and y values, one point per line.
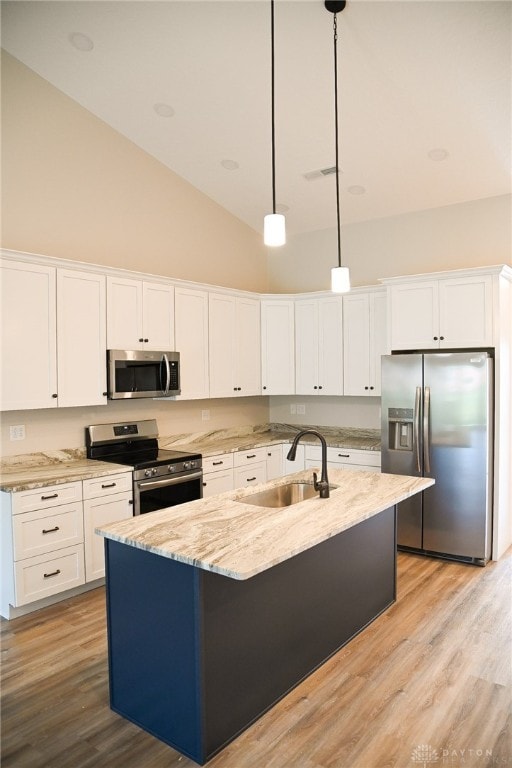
277	347
319	346
28	335
364	341
140	314
81	338
191	327
447	313
53	337
235	346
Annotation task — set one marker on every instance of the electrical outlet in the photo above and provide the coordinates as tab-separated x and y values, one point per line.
293	409
301	409
205	415
17	432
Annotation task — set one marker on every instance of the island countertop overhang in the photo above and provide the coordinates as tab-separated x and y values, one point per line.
224	535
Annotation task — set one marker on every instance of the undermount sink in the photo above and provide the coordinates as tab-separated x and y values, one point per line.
282	495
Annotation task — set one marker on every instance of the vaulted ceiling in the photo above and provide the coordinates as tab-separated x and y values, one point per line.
424	90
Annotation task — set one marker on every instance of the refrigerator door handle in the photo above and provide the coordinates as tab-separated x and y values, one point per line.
416	429
426	430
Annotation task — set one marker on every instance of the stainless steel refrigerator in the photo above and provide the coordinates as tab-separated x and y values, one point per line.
437	421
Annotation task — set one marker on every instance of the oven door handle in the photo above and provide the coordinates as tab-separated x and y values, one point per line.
144	485
165	361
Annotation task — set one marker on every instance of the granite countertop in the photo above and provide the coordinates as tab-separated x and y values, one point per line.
38	470
230	441
225	535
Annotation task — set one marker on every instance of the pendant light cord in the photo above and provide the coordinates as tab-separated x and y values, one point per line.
336	136
273	110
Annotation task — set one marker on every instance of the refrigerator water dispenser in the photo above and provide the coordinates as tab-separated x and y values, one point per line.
400	428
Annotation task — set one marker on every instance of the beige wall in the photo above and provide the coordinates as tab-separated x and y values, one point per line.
54	429
74	188
472	234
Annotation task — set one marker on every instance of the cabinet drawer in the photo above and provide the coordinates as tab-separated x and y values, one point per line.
344	456
42	531
43	498
48	574
103	486
250	475
216	463
241	458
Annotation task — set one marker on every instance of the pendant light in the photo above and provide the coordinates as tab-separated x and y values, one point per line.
340	277
274	232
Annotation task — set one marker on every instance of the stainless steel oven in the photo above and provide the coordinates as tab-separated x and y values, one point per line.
161	478
176	484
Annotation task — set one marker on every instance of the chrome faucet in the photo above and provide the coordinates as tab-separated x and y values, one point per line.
323	485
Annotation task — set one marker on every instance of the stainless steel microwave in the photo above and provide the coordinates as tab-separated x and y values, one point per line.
140	373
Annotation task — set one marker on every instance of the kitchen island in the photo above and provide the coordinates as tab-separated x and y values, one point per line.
217	608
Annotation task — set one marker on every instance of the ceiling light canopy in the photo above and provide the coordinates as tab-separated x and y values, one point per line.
274	228
340	277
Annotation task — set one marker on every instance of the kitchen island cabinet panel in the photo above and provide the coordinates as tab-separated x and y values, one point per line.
226	650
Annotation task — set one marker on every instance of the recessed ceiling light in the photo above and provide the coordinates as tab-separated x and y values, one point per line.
80	41
438	154
229	165
356	189
164	110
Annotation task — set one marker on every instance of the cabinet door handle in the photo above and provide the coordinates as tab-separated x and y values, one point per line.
435	338
344	455
250	479
108	485
204	485
51	496
441	338
50	530
141	339
372	387
55	394
49	575
250	456
216	463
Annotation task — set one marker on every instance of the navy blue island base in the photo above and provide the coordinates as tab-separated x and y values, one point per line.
195	657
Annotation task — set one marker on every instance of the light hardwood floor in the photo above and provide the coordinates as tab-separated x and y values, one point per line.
428	684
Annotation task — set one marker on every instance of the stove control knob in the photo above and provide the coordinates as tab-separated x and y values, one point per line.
154	471
171	468
193	464
187	465
147	473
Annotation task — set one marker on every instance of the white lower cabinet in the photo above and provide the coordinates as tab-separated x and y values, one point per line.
289	467
47	539
250	467
342	458
106	500
217	474
274	461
